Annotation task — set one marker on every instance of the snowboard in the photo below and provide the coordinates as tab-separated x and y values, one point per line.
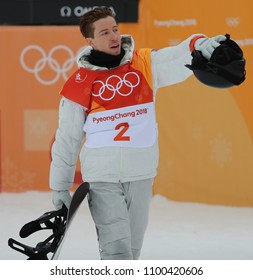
78	196
58	221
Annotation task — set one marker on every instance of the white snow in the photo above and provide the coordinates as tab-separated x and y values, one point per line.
176	231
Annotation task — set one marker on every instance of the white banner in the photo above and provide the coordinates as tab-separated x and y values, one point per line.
144	269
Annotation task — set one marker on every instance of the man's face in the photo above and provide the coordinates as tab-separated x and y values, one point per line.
106	36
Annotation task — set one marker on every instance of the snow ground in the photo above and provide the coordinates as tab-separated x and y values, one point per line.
176	231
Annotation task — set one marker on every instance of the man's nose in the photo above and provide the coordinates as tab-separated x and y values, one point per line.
113	36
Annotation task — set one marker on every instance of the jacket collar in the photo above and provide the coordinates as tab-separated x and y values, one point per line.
127	44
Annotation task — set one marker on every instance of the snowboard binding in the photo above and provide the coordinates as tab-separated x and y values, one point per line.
53	220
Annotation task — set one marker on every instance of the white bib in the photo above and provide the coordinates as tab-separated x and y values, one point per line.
132	126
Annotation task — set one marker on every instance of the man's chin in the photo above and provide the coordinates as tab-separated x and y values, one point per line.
115	52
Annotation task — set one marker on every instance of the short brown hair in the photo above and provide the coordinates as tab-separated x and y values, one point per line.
87	20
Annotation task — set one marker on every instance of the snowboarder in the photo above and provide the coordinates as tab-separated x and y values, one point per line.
109	105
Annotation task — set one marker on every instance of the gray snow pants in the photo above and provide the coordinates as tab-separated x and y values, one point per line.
120	213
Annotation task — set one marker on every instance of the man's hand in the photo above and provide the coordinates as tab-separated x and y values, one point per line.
60	198
207	45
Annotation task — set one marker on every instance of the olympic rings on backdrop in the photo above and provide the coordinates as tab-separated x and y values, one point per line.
48	61
116	87
123	86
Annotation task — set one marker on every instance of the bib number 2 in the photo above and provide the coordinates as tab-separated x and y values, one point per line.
122	127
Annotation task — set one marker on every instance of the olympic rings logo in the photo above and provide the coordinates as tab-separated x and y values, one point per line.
48	60
124	87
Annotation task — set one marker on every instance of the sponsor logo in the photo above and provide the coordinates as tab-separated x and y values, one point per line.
77	11
79	78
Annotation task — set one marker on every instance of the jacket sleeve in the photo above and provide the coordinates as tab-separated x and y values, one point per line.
168	64
66	148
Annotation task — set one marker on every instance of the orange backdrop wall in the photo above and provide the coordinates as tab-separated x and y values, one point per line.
205	134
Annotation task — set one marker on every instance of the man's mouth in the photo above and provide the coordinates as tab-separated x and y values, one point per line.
114	46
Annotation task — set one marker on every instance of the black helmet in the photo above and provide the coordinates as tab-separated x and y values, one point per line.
53	220
225	69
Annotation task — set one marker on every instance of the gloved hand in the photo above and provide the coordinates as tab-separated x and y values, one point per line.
61	197
207	45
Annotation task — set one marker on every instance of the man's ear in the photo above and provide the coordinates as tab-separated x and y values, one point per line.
89	41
